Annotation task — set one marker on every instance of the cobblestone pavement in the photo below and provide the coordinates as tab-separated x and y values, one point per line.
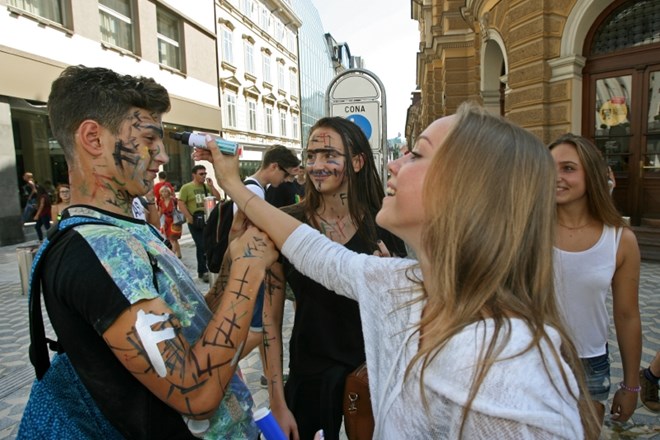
16	374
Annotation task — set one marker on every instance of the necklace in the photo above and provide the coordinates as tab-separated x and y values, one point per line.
573	228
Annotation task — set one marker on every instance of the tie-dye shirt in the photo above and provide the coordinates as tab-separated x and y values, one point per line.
142	268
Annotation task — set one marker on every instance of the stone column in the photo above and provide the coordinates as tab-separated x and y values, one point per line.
11	228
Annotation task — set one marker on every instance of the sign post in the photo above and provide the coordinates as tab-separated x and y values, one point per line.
359	96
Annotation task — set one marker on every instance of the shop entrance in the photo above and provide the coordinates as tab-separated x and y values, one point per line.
622	104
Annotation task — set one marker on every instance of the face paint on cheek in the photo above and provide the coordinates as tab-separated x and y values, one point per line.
150	338
123	154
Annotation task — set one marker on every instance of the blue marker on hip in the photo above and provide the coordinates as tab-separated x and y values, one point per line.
198	140
268	425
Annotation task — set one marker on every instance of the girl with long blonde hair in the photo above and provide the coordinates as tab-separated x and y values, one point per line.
471	330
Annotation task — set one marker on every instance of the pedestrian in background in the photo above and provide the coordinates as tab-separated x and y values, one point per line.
166	206
29	191
466	342
594	252
191	204
162	181
42	213
289	192
61	203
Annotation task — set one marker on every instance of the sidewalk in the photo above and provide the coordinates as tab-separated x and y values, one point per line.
16	374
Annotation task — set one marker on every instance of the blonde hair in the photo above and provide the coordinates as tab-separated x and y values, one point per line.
489	199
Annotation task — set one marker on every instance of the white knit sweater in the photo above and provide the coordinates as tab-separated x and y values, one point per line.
516	400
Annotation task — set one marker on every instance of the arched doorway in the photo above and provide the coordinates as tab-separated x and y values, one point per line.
621	102
493	75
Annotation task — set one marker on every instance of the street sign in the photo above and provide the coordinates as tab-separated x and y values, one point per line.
359	96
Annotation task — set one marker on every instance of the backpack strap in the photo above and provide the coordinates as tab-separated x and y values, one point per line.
39	343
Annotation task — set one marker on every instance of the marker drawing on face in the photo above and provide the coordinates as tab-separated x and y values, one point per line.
323	138
124	154
150	338
156	128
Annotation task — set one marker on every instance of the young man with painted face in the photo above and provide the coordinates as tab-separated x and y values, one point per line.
154	358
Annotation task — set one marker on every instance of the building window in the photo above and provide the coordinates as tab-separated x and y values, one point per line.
265	63
117	23
282	123
169	50
268	119
227	45
230	109
264	19
49	9
280	76
249	57
631	25
252	115
293	81
248	8
279	31
294	126
291	41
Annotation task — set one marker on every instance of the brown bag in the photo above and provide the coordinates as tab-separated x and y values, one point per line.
358	416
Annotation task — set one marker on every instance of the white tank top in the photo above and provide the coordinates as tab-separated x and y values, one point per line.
582	282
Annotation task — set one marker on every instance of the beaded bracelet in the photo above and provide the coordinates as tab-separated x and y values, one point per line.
636	389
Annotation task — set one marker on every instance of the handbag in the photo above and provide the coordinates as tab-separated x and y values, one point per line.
198	220
358	415
177	217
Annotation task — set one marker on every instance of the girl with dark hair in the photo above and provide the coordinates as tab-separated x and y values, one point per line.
343	194
596	251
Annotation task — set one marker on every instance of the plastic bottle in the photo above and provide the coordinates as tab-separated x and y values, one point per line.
267	424
198	140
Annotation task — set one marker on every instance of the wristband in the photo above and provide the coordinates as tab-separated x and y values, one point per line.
636	389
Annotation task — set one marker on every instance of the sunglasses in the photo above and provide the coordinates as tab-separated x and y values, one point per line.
201	174
286	173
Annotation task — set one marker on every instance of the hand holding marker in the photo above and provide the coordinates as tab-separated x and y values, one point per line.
198	140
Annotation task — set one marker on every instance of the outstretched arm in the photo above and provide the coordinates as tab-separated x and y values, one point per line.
147	337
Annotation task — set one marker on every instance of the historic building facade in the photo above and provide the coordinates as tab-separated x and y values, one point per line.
259	75
172	41
590	67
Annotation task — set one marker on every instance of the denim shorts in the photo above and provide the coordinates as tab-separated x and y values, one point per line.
257	323
597	370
